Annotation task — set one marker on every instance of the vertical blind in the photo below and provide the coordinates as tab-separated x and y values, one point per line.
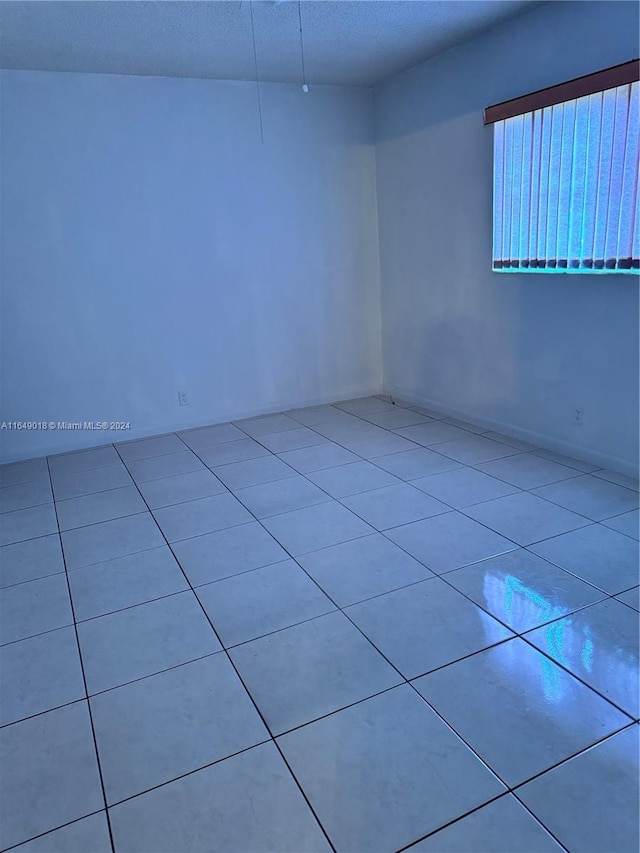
566	186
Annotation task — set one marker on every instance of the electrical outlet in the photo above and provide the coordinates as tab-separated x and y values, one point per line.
183	399
578	417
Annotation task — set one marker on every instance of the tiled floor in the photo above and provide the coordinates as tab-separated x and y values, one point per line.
360	627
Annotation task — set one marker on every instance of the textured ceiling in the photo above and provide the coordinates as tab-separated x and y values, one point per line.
349	42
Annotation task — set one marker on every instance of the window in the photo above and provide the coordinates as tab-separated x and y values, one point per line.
566	178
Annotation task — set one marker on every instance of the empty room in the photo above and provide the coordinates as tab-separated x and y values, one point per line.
319	382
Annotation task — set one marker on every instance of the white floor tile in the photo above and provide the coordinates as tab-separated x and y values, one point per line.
227	552
599	645
84	460
433	433
591	801
365	406
463	487
240	475
631	597
177	725
210	435
145	448
504	825
110	539
34	607
380	445
161	727
478	448
619	479
25	495
106	587
349	428
352	479
281	496
522	590
24	472
318	457
598	555
590	496
75	484
527	714
157	467
266	424
232	451
49	773
246	803
316	527
425	626
627	523
206	515
394	505
143	640
525	518
412	464
291	439
304	672
27	561
397	418
386	772
449	541
101	506
181	488
250	605
88	833
23	524
362	568
474	428
312	415
39	674
527	471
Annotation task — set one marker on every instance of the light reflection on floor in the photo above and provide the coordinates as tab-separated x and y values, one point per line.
572	642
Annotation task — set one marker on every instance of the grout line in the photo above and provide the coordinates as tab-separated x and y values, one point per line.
103	521
373	529
339	609
121	556
389	662
153	674
131	606
230	660
372	461
40	578
39	633
573	674
84	678
517	634
41	714
39	502
100	491
268	739
549	560
409	847
515	788
72	473
55	829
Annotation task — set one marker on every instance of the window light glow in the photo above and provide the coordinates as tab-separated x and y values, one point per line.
566	186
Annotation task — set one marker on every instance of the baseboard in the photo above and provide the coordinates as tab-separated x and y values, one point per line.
547	442
86	440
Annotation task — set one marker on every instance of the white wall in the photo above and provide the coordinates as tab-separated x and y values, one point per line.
514	351
151	244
